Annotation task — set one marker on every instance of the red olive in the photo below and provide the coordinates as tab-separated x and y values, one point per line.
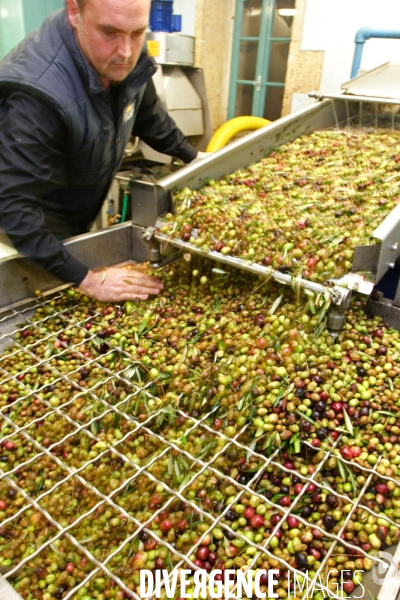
203	553
166	525
293	522
257	521
249	512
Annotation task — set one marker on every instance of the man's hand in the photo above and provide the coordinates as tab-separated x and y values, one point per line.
202	155
118	285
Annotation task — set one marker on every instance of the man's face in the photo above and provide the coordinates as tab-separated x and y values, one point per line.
111	34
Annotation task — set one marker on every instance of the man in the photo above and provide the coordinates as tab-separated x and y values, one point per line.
70	97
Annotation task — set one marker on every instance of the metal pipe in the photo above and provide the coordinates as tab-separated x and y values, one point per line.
339	295
364	34
353	98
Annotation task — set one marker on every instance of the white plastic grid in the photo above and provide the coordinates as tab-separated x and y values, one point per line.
75	474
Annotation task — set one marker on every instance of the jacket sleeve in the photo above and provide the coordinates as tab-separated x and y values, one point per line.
31	159
155	127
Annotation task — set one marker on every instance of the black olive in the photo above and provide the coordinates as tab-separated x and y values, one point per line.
144	536
317	416
305	425
191	322
306	512
300	393
332	501
320	406
84	373
362	372
60	591
329	522
364	411
101	334
103	348
231	516
243	479
285	489
322	433
301	560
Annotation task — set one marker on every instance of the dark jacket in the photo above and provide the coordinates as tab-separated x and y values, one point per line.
62	139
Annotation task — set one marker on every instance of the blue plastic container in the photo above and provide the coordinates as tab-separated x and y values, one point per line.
161	16
177	23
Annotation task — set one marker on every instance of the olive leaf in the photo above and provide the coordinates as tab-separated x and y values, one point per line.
348	423
207	449
177	470
276	304
342	472
170	464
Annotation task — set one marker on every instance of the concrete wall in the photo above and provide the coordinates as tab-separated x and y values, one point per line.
322	50
213	31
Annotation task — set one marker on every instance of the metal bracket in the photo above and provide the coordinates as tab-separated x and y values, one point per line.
154	251
366	258
388	233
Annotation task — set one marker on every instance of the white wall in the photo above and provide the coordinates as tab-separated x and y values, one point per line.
186	8
331	26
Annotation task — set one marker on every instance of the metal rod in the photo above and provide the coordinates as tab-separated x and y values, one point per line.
337	293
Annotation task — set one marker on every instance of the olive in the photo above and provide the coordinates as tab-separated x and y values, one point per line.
243	479
230	515
301	560
322	433
329	522
332	501
306	512
346	575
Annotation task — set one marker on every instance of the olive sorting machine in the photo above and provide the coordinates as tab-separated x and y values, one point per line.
367	102
139	240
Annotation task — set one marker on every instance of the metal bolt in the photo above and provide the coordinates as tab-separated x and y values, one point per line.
394	247
391	265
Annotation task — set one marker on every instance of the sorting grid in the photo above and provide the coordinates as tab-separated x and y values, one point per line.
166	446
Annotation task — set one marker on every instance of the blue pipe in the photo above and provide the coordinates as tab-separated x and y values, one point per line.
364	34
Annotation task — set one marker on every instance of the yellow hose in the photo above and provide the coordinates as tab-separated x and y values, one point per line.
229	129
